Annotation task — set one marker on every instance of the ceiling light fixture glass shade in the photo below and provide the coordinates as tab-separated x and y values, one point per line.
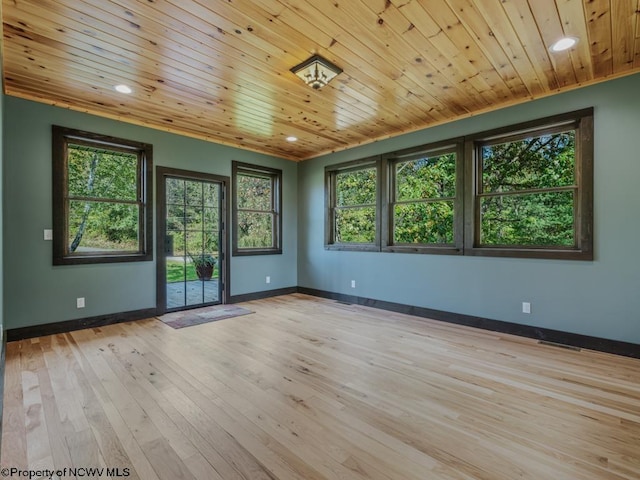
123	88
316	71
564	44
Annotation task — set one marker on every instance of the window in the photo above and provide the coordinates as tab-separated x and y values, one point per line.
256	210
425	199
352	203
101	198
531	189
525	191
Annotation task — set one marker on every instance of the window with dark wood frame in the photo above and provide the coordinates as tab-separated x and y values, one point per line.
256	211
353	205
424	208
101	198
521	191
530	189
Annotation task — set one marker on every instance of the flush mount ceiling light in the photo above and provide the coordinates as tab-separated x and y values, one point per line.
123	89
316	71
563	44
292	139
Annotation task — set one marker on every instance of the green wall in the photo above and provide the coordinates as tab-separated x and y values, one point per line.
37	292
598	298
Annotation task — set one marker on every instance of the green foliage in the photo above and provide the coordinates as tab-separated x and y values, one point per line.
546	161
193	227
254	192
179	271
420	217
356	193
356	188
356	225
95	179
255	218
533	218
426	177
424	223
203	260
255	230
527	196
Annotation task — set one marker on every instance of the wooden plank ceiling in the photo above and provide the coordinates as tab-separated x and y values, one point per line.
220	70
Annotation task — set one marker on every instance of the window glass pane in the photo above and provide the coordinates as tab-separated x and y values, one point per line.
211	194
177	269
195	242
356	188
210	219
102	227
423	223
175	191
539	219
175	217
355	225
545	161
194	192
101	174
193	220
254	193
428	177
212	244
177	242
255	230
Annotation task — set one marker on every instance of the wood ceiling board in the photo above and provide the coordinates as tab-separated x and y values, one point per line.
176	56
623	16
389	67
104	47
572	17
445	84
508	58
220	71
438	46
466	54
598	16
547	19
390	94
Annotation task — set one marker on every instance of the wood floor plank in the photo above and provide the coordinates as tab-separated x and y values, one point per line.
14	434
312	389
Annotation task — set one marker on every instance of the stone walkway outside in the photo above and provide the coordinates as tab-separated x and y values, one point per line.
194	289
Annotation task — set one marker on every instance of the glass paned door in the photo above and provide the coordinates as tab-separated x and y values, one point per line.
193	246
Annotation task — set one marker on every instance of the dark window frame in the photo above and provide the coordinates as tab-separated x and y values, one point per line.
331	172
582	122
61	138
275	175
389	161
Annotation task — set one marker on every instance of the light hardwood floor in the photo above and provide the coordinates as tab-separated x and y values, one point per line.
307	388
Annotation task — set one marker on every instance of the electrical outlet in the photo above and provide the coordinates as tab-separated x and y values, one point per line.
80	302
526	307
353	284
48	234
267	279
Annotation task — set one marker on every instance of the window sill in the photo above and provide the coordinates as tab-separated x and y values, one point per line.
352	248
542	253
256	251
429	250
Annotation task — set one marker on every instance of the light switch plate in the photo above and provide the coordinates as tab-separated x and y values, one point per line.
48	234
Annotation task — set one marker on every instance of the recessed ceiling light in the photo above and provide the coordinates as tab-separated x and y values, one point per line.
123	89
564	44
292	139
